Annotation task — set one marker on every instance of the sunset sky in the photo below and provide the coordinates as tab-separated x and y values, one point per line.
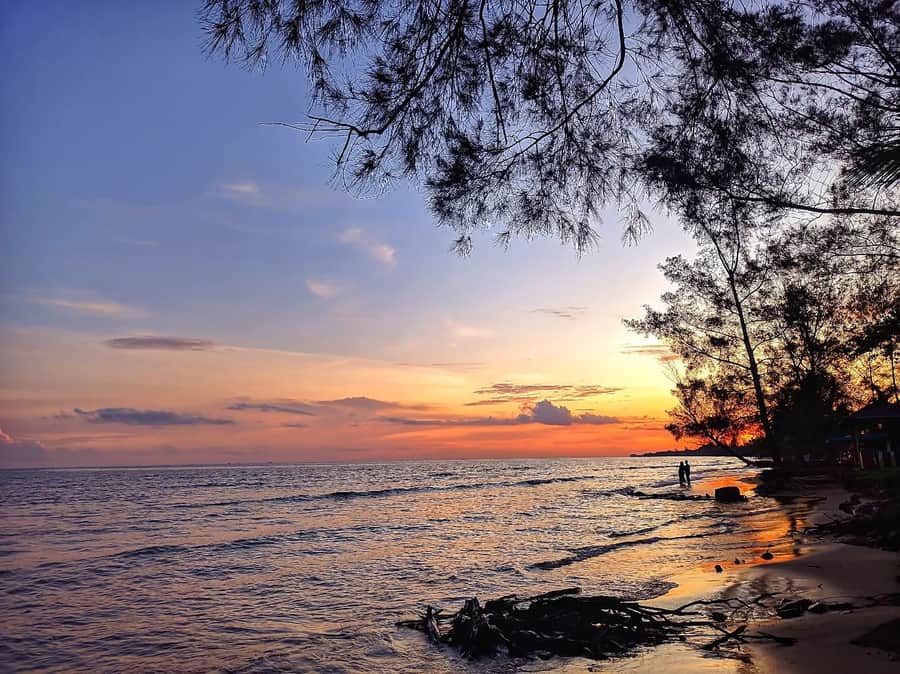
181	284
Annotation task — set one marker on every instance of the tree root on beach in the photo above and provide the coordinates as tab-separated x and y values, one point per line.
564	623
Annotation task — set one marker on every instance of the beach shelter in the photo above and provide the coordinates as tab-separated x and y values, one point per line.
876	435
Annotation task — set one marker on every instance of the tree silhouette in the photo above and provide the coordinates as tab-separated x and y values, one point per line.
780	327
530	117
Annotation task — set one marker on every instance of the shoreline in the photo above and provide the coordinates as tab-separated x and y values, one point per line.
816	570
836	572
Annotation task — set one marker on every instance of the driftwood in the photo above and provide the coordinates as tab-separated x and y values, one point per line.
564	623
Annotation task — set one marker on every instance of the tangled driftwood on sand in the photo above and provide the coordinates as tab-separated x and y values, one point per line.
565	623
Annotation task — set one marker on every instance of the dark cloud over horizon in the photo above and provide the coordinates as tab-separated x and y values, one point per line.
279	406
365	404
544	412
133	417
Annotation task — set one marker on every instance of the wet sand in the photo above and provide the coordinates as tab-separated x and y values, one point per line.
832	572
836	573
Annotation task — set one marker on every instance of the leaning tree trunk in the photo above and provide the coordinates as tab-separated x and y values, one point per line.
761	406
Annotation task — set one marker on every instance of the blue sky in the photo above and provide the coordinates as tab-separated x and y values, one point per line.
141	194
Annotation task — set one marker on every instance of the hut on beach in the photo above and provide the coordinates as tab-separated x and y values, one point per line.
875	430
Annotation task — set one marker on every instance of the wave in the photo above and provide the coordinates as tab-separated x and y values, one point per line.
393	491
582	554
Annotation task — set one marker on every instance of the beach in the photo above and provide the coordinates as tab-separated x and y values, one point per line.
835	572
802	566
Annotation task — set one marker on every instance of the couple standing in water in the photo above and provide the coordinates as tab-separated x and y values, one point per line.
684	474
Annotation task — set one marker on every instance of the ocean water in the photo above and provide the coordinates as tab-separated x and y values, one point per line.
307	567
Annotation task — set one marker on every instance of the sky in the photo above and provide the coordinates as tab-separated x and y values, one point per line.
181	283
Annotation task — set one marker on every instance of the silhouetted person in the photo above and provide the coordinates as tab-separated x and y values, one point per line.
681	473
687	473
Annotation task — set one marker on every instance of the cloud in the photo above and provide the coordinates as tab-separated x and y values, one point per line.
458	366
506	392
361	404
358	238
295	425
245	193
90	307
659	351
364	404
160	342
133	417
468	421
468	331
279	406
322	289
462	365
21	453
597	419
544	413
569	313
284	198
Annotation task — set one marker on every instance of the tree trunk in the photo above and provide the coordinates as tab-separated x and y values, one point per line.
761	407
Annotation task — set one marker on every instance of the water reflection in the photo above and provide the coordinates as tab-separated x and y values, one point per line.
308	567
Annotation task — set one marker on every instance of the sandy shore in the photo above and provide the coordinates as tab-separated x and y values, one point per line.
836	573
800	568
823	572
831	573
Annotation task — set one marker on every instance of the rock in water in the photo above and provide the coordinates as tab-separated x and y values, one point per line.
729	495
718	568
767	555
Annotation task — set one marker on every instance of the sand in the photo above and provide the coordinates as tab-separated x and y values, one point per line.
835	573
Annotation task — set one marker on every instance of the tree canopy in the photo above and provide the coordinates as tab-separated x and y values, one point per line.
529	117
780	331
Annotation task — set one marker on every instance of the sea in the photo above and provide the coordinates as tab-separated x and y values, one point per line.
307	568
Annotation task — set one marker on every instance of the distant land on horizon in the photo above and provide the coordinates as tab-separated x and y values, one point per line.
705	450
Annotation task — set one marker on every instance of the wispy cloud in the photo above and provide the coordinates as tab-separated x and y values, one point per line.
358	238
364	404
295	425
323	289
160	342
242	192
453	366
133	417
276	197
310	408
569	313
284	406
468	331
506	392
659	351
544	413
90	307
